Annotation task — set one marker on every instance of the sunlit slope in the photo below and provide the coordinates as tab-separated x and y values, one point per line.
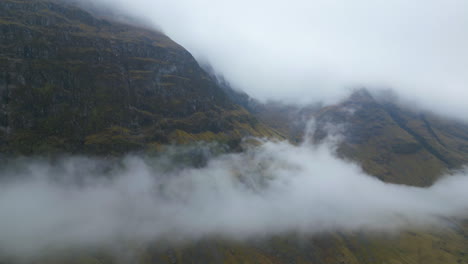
74	82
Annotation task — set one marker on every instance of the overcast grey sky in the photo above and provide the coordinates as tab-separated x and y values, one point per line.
309	50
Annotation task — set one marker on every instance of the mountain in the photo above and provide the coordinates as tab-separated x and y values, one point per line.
395	143
391	141
71	81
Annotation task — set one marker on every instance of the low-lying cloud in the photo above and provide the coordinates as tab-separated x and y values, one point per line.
271	189
316	50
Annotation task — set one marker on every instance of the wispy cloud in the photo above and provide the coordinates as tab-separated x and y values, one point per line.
271	189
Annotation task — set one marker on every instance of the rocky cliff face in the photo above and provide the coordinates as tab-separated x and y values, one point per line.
70	81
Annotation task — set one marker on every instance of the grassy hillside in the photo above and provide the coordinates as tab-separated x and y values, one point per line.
447	246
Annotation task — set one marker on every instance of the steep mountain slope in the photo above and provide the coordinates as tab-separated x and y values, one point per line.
394	143
70	81
288	119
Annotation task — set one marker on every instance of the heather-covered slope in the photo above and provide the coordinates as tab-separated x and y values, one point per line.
70	81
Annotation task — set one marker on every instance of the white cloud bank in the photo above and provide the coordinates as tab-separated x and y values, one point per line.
310	50
271	189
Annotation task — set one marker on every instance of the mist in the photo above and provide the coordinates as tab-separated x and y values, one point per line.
272	189
306	51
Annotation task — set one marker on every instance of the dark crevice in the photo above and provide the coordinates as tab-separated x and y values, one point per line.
402	123
431	131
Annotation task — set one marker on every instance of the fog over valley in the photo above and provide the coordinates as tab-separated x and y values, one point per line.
273	189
